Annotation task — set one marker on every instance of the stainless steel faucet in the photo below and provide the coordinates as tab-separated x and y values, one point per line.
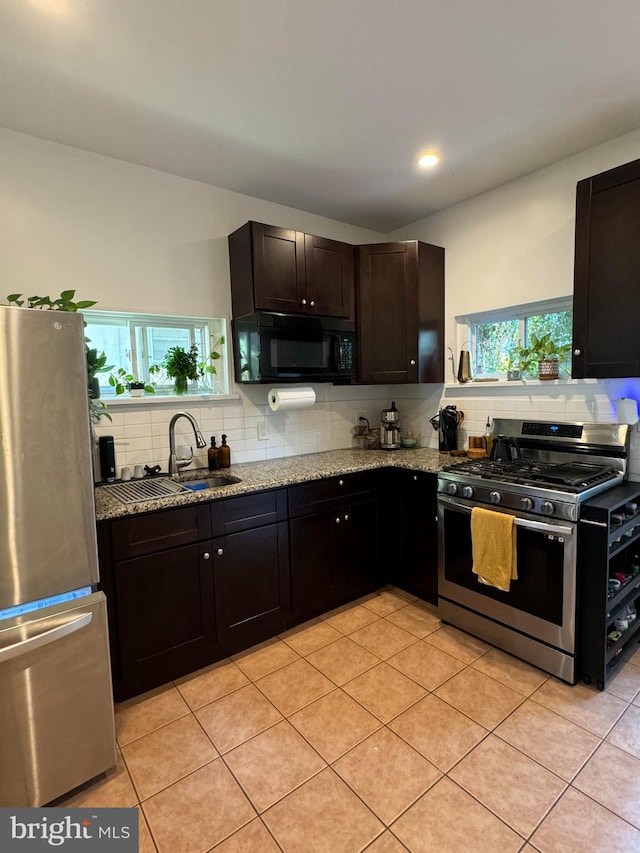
200	442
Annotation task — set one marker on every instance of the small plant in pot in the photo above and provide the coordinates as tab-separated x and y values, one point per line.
515	363
122	381
548	354
182	366
544	353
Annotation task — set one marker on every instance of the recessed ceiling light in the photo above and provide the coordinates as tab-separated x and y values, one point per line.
428	160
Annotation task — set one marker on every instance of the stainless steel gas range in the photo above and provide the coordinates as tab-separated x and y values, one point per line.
550	470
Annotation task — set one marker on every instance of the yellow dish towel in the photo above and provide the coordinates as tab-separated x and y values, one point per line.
493	539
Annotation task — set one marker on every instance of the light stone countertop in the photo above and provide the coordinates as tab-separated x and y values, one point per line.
276	473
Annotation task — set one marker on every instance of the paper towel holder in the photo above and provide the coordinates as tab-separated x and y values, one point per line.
291	397
627	410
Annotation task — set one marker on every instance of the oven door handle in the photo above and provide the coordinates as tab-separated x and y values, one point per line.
525	523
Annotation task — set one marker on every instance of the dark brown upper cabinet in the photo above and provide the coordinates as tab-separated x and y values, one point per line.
606	296
278	269
400	297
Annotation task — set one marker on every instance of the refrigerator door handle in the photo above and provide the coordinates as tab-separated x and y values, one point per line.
17	649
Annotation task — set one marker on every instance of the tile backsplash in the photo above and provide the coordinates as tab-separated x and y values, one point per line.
141	430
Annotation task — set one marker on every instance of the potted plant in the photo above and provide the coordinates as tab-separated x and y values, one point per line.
516	363
544	352
122	381
182	365
548	354
96	363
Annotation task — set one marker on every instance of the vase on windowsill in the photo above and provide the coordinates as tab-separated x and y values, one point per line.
181	385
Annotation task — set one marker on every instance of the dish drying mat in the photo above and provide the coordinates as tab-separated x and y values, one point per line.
135	491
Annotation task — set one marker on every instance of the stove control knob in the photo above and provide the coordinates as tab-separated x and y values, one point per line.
467	491
526	503
495	497
547	508
452	488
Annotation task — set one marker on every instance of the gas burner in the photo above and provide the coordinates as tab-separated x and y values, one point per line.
559	467
566	477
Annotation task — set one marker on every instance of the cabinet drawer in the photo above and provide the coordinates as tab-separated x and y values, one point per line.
324	494
155	531
248	511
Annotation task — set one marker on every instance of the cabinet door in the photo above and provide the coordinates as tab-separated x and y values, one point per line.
419	539
278	269
329	268
251	574
166	622
607	270
362	569
388	313
317	583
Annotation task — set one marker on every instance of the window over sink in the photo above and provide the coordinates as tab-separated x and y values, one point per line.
138	343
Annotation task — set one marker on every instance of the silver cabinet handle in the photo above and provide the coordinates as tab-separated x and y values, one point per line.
23	646
346	518
312	303
220	552
341	482
412	362
337	521
206	556
415	476
577	352
304	301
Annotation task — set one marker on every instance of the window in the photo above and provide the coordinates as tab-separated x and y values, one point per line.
492	336
137	342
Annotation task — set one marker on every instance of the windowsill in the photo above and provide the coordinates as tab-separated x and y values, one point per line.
167	400
519	384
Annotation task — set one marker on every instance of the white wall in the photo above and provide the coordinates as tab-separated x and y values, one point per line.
133	238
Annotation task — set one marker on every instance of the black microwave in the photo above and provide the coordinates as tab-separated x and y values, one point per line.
270	347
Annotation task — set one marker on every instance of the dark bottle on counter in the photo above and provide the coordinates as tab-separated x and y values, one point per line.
224	453
212	455
107	458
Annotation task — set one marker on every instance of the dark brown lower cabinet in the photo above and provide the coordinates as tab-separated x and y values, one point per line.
419	536
165	617
360	548
252	591
333	557
409	531
317	579
189	586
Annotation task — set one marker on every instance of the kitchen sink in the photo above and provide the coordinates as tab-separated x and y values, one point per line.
154	488
211	483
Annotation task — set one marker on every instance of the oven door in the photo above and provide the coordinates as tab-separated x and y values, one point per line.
541	602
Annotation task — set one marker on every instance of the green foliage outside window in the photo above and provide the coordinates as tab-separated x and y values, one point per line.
498	344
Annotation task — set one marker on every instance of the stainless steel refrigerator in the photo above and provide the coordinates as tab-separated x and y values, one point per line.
56	709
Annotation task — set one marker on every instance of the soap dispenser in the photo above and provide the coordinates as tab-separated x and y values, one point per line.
212	455
224	453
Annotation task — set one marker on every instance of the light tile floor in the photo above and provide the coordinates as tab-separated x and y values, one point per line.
376	727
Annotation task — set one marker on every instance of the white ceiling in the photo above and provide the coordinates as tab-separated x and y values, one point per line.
325	106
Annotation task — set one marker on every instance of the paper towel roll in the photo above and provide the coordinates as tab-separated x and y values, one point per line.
627	409
284	399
